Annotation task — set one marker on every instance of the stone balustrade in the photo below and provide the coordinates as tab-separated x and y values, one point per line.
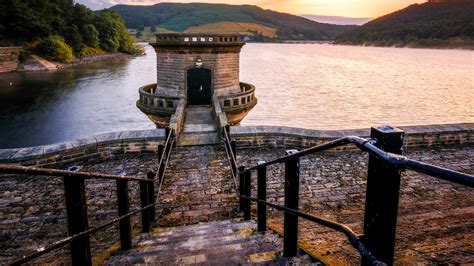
194	38
158	101
243	100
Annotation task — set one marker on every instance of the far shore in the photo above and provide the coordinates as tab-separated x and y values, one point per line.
37	63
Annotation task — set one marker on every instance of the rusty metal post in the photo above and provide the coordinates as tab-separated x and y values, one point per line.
151	194
241	187
247	191
144	201
292	184
76	208
381	205
161	166
262	195
123	208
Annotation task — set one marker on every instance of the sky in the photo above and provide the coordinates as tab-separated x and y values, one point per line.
346	8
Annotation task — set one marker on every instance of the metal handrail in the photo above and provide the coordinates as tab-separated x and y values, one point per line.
16	169
230	156
369	145
67	240
392	159
13	169
351	236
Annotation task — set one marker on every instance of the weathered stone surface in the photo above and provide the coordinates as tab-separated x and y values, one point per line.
417	136
435	216
217	243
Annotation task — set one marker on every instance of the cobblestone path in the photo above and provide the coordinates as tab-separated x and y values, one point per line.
198	187
436	218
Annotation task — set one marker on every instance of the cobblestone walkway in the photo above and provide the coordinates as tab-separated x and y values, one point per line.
436	218
197	187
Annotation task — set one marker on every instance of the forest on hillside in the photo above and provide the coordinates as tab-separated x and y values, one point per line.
179	17
448	23
61	30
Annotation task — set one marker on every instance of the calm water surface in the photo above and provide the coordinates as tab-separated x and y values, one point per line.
300	85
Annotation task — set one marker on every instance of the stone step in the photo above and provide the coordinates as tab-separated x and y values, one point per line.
214	253
199	241
197	138
203	229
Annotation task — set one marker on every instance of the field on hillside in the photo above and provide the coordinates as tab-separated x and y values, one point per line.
232	27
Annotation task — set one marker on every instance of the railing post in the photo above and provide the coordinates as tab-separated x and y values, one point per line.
247	191
167	132
151	194
292	183
382	195
76	207
144	201
241	187
161	167
262	195
123	208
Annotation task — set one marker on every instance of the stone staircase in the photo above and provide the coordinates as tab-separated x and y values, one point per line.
197	187
199	127
229	242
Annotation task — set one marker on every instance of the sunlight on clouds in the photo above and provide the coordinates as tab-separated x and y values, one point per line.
348	8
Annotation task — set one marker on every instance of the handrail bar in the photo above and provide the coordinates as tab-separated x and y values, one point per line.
352	237
368	145
318	148
166	165
168	138
69	239
230	156
16	169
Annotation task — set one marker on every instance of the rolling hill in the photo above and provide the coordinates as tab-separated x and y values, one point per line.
246	19
440	23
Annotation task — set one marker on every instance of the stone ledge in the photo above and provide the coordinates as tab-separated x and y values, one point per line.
417	136
102	145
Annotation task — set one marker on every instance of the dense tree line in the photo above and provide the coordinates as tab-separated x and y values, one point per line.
62	29
445	23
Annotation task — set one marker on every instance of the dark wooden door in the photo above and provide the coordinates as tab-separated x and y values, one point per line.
199	86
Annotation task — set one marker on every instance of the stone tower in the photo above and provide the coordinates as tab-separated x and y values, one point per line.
197	70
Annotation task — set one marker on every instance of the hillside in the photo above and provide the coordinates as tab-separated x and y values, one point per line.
445	23
245	18
61	30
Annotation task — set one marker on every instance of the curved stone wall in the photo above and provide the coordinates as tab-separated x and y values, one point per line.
109	145
286	137
103	146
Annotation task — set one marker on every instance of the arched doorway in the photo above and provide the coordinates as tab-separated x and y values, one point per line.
199	82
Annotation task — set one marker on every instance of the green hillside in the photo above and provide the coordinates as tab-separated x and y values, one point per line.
448	23
61	29
180	17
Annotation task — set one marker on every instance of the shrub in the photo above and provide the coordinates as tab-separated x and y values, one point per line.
89	51
54	48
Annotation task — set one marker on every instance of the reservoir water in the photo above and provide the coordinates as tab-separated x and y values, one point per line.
316	86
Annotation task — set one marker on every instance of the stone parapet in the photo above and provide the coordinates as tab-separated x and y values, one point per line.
104	146
9	58
287	137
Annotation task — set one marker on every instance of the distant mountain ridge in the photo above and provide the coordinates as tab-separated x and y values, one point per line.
179	17
437	23
337	20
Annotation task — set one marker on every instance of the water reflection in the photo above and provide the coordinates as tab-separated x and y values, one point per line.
311	86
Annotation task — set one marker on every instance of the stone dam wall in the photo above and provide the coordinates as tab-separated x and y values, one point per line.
9	59
32	209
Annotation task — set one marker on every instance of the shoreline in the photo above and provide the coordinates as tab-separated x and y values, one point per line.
37	63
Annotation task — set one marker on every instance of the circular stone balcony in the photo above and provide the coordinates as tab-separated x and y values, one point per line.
158	103
236	106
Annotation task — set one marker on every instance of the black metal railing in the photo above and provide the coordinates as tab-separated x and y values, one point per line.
76	207
385	147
